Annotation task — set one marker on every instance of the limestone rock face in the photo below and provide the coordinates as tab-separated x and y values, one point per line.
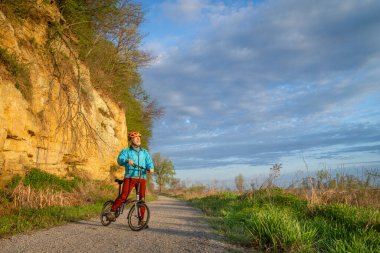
65	122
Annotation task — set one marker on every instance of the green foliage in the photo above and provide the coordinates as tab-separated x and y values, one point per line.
31	219
38	179
276	221
15	180
108	42
105	34
163	170
26	219
352	218
10	61
5	193
18	70
275	227
79	18
20	9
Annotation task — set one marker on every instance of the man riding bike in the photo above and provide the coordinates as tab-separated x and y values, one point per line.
128	157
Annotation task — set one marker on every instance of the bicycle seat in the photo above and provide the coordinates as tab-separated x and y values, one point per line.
119	181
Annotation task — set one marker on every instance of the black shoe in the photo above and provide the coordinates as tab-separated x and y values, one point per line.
111	216
142	223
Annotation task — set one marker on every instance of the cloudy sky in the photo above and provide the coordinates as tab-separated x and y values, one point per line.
246	84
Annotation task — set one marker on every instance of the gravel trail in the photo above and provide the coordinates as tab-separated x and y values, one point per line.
174	227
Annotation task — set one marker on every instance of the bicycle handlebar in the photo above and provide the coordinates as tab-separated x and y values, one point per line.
140	167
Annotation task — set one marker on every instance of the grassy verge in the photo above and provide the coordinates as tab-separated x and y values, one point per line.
42	200
280	222
27	219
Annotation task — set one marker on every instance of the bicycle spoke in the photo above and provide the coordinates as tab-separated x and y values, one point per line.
105	210
138	216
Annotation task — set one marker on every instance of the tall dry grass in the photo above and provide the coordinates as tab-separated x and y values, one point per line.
343	189
26	197
360	197
22	194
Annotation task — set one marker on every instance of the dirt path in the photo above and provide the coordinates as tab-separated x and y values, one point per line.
174	227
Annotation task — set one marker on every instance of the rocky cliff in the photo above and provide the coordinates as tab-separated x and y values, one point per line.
51	117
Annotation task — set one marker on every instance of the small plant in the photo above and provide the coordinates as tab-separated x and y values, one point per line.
33	42
18	70
10	61
39	180
14	182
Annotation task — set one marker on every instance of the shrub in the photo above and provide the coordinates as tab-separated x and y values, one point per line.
15	180
18	70
39	180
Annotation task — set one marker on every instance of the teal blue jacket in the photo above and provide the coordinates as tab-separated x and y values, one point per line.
141	158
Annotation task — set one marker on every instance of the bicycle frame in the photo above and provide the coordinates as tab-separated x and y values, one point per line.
138	215
130	200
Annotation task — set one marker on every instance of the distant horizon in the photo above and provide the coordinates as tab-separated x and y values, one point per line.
285	179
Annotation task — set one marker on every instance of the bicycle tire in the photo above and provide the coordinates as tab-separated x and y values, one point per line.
135	222
106	209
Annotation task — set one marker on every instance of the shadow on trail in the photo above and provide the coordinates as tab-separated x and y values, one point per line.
88	223
178	203
171	208
176	232
195	220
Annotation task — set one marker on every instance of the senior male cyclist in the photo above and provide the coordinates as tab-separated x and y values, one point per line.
134	154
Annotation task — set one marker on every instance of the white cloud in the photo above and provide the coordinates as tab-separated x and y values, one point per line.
286	75
183	10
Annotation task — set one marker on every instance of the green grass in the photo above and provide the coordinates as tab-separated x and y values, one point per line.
28	219
19	220
39	180
31	219
280	222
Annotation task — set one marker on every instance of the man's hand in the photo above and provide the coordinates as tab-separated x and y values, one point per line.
131	162
150	171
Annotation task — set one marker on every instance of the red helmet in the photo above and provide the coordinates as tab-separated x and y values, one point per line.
133	134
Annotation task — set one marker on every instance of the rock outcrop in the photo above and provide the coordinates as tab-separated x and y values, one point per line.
60	121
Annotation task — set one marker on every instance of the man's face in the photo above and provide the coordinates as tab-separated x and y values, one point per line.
136	141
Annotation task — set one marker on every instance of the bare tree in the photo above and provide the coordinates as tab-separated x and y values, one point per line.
321	176
239	183
274	173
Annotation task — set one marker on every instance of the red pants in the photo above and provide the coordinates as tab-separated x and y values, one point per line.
128	184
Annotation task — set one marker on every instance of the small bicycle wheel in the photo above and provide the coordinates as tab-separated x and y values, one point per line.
138	216
105	210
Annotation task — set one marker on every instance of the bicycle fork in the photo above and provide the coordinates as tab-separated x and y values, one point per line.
120	210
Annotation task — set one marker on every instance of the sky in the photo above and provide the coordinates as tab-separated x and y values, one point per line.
247	84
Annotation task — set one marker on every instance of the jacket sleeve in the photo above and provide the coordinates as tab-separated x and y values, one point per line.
123	157
149	162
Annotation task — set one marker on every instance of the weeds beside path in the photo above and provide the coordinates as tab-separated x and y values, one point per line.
28	219
280	222
174	227
42	200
